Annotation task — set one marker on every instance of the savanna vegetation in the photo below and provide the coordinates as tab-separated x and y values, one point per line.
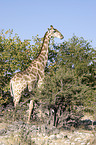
70	75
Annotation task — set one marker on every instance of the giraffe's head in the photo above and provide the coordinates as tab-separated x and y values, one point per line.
55	33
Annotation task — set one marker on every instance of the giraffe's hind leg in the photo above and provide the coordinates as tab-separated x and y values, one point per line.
31	107
14	114
16	99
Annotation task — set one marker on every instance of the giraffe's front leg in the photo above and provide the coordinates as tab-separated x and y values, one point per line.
31	105
41	83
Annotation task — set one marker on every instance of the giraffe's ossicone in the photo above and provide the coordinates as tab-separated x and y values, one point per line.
35	72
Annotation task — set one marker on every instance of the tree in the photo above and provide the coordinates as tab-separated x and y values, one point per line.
70	74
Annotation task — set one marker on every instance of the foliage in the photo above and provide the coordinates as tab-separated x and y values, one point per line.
68	95
76	59
70	77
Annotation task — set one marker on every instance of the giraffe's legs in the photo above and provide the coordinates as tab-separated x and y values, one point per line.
14	113
16	101
31	106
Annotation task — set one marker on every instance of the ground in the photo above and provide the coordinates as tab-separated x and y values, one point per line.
19	132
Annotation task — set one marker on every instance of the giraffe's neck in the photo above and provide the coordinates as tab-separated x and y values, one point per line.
43	56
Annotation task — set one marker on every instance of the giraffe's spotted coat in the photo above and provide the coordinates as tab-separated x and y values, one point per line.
35	72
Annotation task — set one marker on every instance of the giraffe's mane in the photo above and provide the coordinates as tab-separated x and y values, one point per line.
38	53
42	45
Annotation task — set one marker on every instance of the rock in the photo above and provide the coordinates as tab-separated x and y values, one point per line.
73	143
55	130
78	139
52	137
59	136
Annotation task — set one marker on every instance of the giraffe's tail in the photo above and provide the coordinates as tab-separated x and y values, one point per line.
11	89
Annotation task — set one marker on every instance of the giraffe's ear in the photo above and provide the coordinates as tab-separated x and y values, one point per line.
51	26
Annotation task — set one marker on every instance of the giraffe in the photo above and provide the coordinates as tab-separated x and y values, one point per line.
34	74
